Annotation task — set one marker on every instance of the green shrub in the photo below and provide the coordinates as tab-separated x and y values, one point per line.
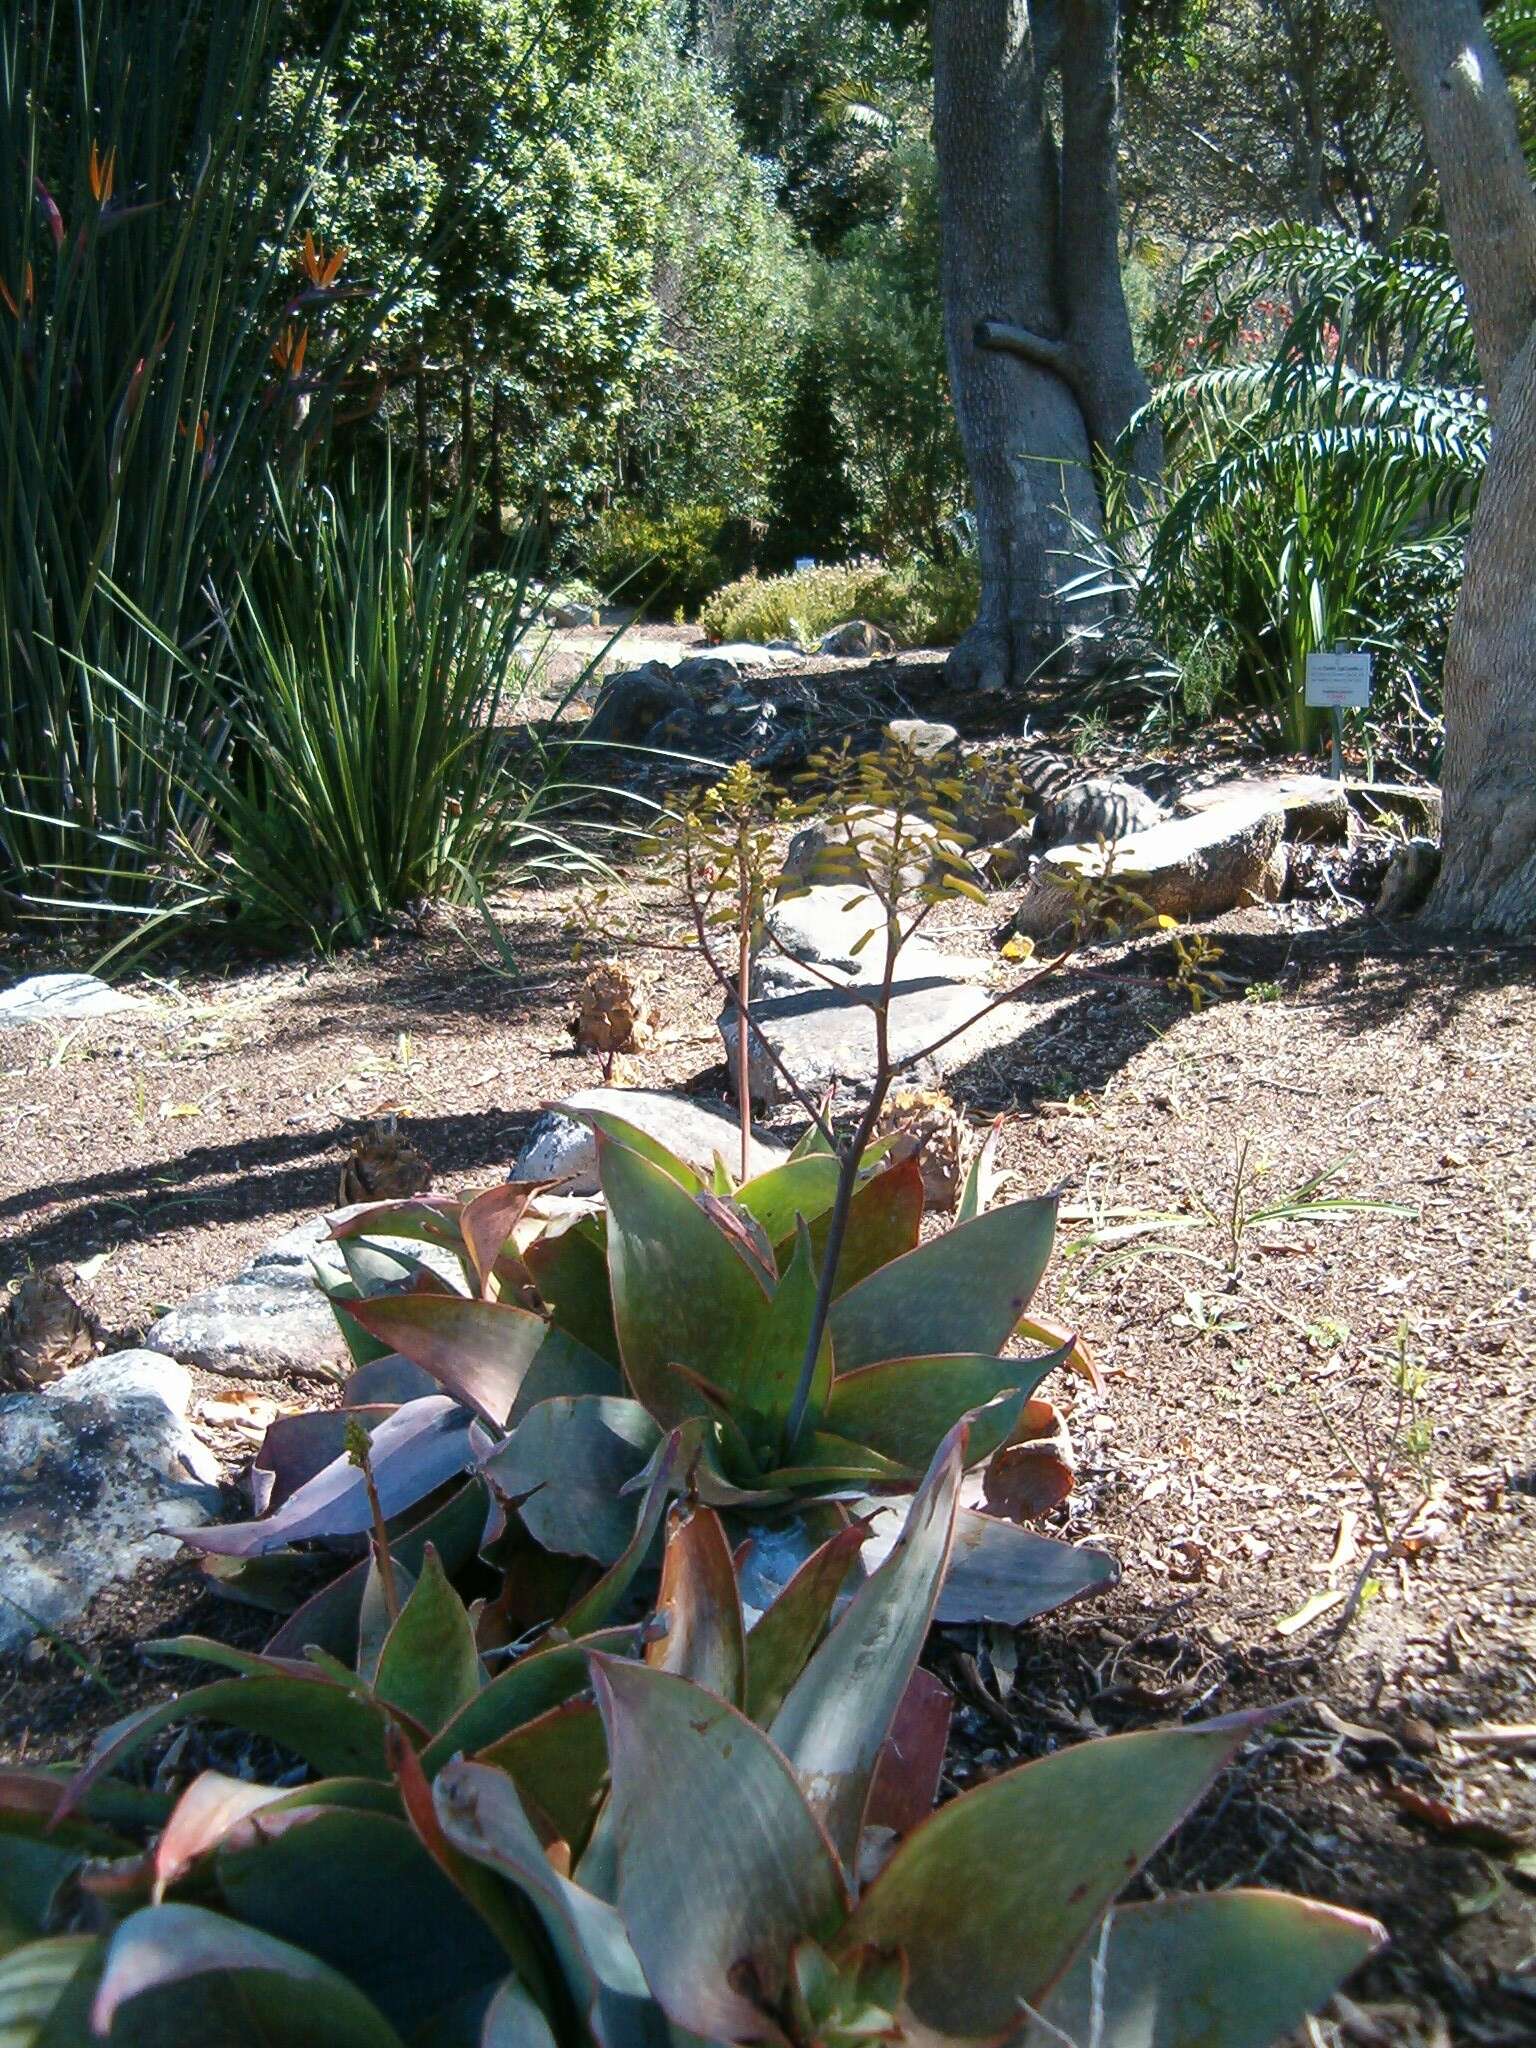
923	603
662	560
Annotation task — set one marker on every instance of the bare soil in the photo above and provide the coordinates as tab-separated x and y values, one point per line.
1315	1456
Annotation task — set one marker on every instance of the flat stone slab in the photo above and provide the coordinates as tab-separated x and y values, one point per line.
1316	809
97	1473
1189	868
62	999
271	1323
561	1148
826	1037
1419	804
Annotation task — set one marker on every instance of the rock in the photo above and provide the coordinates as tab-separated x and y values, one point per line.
707	672
826	1038
1188	868
1277	872
926	737
568	615
823	925
1007	861
561	1148
1097	808
62	998
827	852
271	1323
95	1474
1315	807
1418	805
857	640
1411	874
747	654
630	703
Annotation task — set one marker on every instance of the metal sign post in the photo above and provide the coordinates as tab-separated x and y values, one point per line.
1338	681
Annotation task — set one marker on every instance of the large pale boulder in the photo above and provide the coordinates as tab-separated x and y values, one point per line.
62	999
562	1148
96	1475
1189	868
271	1323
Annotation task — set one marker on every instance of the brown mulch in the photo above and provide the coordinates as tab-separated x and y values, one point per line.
1334	1410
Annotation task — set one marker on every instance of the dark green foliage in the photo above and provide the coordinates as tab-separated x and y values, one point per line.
816	509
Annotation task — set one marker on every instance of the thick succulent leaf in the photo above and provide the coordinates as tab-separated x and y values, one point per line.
1054	1842
515	2019
773	1371
699	1607
682	1293
329	1619
530	1687
339	1735
180	1976
564	1366
905	1407
621	1132
412	1453
429	1666
838	1713
572	1457
483	1817
981	1180
1000	1572
782	1639
734	1871
559	1763
665	1476
361	1892
813	1144
431	1219
824	1460
477	1351
1037	1329
885	1221
800	1187
45	1992
487	1224
380	1269
964	1291
1240	1967
906	1781
570	1270
204	1814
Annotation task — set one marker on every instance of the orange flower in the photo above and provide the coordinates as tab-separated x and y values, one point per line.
320	269
26	295
289	349
102	173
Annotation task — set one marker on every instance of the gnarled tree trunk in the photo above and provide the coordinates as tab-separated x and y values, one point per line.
1488	872
1038	335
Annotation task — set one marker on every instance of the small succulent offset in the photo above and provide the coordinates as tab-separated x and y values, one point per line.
726	1836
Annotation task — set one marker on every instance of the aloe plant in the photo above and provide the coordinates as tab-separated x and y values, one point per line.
723	1888
670	1330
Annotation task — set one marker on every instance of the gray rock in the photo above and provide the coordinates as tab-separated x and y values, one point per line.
857	640
823	925
1189	868
1411	874
1097	808
1007	861
826	1038
96	1474
271	1323
747	654
828	851
62	998
310	1244
631	703
707	672
926	737
568	615
560	1147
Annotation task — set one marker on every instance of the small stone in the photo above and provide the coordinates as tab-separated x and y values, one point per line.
62	998
857	640
926	738
569	615
562	1148
96	1475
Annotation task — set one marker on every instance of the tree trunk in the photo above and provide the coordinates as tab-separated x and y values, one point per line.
1488	872
1038	338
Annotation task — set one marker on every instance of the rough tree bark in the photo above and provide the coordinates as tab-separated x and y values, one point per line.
1039	339
1488	872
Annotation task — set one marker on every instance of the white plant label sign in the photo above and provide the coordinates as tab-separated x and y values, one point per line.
1339	681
